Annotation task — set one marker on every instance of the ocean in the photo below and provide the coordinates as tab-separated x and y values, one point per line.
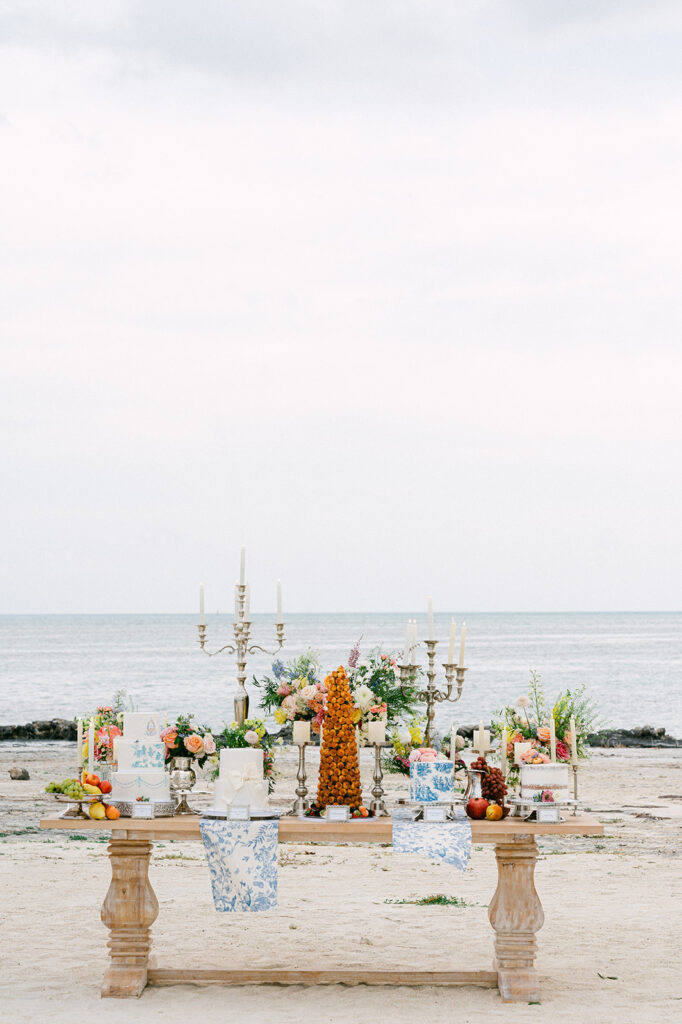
65	665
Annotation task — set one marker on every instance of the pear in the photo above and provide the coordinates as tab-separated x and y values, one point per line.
97	811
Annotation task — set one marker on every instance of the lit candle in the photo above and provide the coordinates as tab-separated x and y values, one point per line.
242	566
376	732
461	645
79	742
91	747
248	603
552	738
574	743
202	621
280	620
451	651
503	753
432	635
301	733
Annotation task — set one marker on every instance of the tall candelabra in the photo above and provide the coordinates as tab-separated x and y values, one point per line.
454	677
242	647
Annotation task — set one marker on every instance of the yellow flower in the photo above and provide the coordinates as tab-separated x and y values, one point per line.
280	716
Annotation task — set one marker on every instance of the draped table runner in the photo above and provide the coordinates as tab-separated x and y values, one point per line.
448	840
242	863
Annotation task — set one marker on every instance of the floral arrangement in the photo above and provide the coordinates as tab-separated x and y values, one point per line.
376	690
108	722
252	733
528	721
294	691
184	739
406	737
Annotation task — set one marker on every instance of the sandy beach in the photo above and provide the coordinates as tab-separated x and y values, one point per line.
612	906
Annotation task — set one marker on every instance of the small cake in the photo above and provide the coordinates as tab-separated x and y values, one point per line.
432	777
141	757
241	780
536	778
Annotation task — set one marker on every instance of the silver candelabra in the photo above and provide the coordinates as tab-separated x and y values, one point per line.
241	647
454	677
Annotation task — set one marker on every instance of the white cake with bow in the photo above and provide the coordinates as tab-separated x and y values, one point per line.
141	756
241	780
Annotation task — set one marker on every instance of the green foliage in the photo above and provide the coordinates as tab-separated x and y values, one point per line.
379	672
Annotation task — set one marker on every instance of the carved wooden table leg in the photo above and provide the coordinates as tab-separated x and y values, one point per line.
516	915
129	910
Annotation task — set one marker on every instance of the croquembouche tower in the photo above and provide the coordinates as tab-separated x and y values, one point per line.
339	779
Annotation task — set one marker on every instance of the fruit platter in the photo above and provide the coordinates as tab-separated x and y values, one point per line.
89	791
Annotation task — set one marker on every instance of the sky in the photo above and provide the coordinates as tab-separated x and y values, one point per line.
388	292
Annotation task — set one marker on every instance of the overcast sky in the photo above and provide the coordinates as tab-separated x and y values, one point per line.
388	291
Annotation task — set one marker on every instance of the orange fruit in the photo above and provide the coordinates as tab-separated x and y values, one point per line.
113	812
493	812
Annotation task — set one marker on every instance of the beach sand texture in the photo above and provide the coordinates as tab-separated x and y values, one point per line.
612	905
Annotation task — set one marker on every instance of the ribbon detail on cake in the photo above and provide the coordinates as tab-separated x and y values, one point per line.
247	773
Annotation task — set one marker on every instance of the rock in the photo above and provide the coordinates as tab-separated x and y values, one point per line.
19	774
50	729
642	736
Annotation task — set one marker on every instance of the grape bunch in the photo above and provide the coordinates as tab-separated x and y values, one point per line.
493	785
69	787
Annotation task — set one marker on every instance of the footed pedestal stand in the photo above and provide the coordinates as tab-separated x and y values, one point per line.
516	915
129	910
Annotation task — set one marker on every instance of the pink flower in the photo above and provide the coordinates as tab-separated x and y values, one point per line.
393	663
114	731
209	744
563	752
284	689
544	758
194	744
251	737
384	657
547	796
169	736
415	755
543	734
429	756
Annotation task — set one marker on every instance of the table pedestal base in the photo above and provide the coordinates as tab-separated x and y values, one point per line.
129	910
516	915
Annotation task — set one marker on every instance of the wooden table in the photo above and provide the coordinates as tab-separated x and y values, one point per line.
515	912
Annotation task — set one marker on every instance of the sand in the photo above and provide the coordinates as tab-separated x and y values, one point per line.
607	952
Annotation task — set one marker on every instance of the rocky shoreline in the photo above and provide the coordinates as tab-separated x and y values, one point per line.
642	736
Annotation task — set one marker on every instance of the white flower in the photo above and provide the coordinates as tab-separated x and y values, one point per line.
251	736
403	735
523	702
363	698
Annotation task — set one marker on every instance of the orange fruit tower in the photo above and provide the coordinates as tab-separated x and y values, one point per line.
339	779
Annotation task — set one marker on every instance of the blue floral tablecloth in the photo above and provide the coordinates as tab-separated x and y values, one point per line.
242	862
448	840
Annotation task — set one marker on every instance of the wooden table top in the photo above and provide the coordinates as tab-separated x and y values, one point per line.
306	830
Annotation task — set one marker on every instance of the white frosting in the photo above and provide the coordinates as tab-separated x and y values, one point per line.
536	777
143	725
155	785
241	779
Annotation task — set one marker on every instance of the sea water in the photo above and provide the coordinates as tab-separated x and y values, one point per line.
65	665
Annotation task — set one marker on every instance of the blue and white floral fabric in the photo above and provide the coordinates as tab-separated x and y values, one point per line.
432	781
448	840
242	862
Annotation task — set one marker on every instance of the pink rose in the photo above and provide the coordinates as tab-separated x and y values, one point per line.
429	756
251	736
194	744
209	744
544	758
563	752
543	734
284	689
414	755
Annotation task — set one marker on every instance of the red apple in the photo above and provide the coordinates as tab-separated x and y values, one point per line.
477	808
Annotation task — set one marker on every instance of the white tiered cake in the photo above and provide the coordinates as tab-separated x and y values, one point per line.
538	777
241	780
141	756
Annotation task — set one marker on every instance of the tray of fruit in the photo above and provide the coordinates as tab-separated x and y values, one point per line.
491	804
90	791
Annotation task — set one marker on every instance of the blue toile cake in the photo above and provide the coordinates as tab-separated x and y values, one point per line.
432	781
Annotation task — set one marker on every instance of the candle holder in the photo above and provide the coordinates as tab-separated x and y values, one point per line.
301	803
454	677
575	788
378	805
242	648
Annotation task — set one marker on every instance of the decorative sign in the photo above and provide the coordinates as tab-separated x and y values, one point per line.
239	812
434	814
338	812
547	813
